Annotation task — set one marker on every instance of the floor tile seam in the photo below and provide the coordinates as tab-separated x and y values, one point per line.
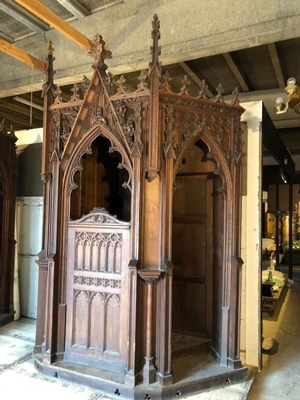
20	360
25	339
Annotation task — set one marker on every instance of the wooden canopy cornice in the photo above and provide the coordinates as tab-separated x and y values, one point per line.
21	55
41	11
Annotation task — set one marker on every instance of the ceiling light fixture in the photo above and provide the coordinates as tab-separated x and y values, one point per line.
28	103
282	174
293	92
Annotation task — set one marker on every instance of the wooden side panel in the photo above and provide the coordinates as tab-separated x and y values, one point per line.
96	337
192	269
112	324
80	319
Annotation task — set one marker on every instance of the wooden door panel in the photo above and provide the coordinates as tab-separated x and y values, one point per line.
190	197
189	298
97	290
192	221
187	261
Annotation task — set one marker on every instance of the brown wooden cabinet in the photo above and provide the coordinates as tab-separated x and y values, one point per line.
8	174
141	249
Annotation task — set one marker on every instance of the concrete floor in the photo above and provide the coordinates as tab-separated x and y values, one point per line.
279	378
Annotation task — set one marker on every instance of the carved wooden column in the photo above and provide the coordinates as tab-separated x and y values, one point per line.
8	177
152	224
164	298
149	371
136	155
46	263
237	263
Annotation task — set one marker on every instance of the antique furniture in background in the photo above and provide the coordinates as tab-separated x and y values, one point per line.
141	248
8	179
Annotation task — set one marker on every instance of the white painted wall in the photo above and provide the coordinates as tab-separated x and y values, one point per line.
251	236
29	136
29	219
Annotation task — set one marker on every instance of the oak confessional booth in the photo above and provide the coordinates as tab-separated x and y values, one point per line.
139	276
8	179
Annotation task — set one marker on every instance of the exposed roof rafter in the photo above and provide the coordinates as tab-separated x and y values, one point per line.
75	8
7	38
41	11
28	103
234	69
276	64
18	13
21	55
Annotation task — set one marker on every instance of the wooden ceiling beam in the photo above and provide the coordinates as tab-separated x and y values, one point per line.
21	55
19	109
194	77
19	122
234	69
41	11
75	8
276	64
25	18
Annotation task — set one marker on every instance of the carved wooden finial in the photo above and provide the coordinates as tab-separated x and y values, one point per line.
184	88
122	88
75	95
165	87
57	94
220	90
203	90
142	86
155	49
236	101
99	52
50	48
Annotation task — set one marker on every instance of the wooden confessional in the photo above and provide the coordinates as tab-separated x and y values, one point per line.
8	181
139	276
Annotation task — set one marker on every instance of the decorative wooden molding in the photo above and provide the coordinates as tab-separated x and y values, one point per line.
150	276
152	168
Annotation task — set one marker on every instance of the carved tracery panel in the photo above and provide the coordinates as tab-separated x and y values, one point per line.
98	257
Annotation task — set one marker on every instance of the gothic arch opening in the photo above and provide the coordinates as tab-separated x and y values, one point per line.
100	183
192	237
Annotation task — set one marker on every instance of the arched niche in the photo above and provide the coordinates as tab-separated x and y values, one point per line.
100	182
199	245
192	257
